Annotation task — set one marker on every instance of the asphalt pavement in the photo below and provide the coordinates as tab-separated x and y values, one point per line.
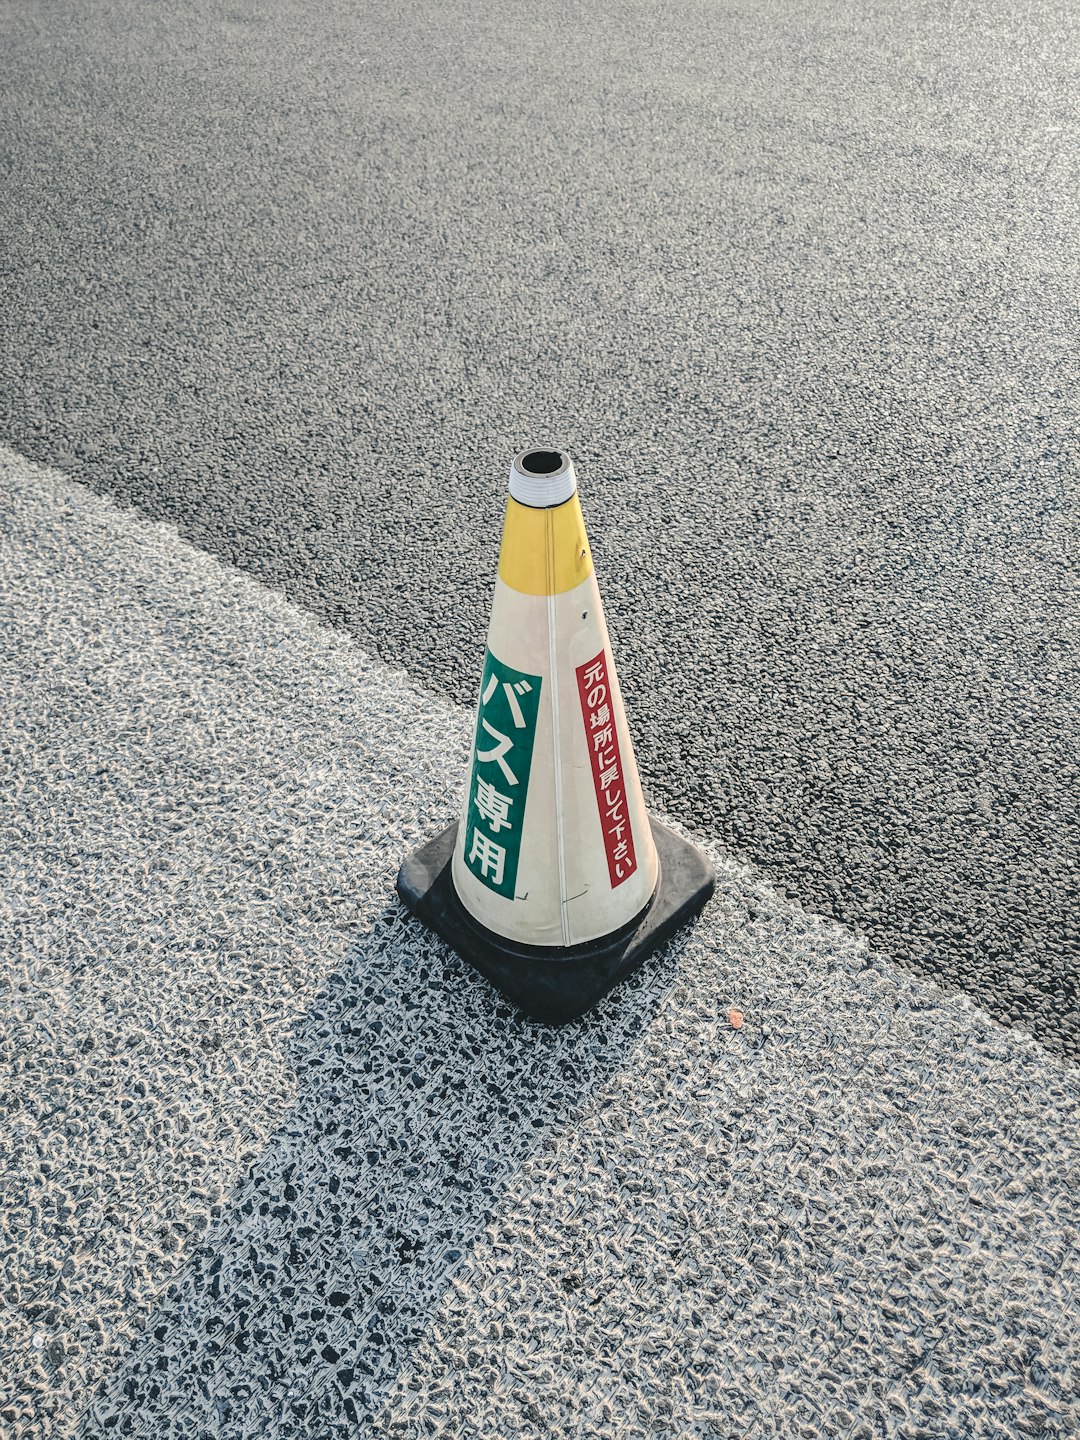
797	286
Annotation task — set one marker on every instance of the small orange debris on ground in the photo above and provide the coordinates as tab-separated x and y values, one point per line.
735	1018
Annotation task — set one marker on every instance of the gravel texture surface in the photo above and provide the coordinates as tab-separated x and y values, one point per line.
796	283
280	1165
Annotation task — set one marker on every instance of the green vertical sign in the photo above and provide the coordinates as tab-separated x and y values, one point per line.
502	759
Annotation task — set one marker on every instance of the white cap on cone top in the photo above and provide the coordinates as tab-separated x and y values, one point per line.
542	478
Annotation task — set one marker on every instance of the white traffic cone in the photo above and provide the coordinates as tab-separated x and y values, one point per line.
554	847
558	882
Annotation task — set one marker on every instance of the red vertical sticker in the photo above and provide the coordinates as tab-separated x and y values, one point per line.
603	742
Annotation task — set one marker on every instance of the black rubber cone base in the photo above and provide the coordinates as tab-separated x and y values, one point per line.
556	985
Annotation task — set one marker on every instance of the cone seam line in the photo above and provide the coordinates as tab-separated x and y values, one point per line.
553	657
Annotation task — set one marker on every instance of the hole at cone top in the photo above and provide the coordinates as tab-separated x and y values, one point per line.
541	462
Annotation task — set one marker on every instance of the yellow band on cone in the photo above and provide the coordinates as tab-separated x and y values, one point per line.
544	552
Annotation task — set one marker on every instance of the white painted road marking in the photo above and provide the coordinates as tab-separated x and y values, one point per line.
233	1063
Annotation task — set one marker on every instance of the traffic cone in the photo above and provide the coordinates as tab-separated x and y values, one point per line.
555	883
